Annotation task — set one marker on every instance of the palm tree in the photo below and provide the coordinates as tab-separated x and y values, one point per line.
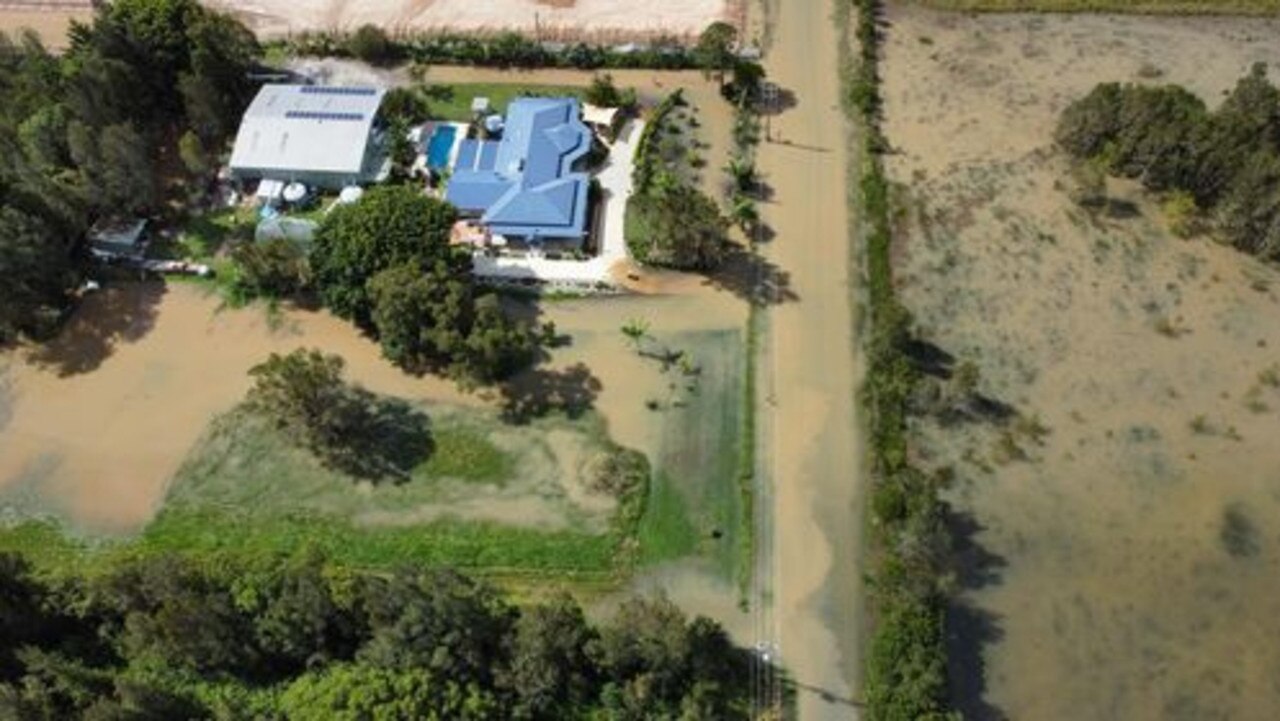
635	330
744	213
743	172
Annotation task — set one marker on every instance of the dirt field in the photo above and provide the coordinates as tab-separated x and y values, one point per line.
1115	560
551	18
50	24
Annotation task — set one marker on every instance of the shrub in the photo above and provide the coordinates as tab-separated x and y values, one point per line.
371	44
1181	213
273	268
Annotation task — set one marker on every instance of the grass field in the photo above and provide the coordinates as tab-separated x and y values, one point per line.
695	505
452	101
491	498
1155	7
506	501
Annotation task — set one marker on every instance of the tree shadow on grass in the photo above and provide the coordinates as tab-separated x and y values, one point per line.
753	278
537	392
969	628
118	314
390	438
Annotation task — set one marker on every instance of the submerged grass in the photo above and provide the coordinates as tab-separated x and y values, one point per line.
666	532
247	494
696	504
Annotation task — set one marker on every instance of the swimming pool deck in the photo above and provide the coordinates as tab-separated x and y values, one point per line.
615	183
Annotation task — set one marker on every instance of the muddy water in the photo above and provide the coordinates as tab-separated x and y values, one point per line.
50	25
1127	564
810	445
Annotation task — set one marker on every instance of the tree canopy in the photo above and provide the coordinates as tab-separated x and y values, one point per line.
344	425
81	134
385	263
678	227
715	49
170	637
1228	160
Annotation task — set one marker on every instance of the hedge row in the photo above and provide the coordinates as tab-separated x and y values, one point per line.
642	173
501	50
906	661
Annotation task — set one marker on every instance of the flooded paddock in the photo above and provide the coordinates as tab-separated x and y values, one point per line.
1118	548
98	419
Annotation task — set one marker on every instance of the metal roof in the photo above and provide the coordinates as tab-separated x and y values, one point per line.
524	184
307	128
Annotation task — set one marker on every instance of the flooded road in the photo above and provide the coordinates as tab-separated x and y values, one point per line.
809	372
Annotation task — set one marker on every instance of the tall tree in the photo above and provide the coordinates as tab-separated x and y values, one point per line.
35	271
20	614
715	49
127	173
389	226
551	670
440	621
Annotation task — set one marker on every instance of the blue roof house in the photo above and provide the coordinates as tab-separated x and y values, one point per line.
524	186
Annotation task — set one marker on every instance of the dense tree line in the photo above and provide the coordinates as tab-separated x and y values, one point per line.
83	135
168	639
386	264
1227	161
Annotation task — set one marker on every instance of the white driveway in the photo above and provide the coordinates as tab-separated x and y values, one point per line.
615	182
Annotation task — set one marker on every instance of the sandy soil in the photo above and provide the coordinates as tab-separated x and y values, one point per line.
598	18
1115	564
809	442
50	25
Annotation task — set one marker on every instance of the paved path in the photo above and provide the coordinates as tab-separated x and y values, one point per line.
615	182
810	444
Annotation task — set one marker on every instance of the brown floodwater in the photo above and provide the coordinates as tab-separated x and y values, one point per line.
97	421
1123	562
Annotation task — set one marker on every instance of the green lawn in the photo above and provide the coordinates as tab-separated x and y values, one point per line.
452	101
695	503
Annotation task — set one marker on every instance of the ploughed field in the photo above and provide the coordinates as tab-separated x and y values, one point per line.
1115	553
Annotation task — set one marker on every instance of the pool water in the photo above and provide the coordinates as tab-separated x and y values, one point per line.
439	146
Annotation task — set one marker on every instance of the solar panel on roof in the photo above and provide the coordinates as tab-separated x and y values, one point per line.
332	90
322	115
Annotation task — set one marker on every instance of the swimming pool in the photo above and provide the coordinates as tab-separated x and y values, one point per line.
440	145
